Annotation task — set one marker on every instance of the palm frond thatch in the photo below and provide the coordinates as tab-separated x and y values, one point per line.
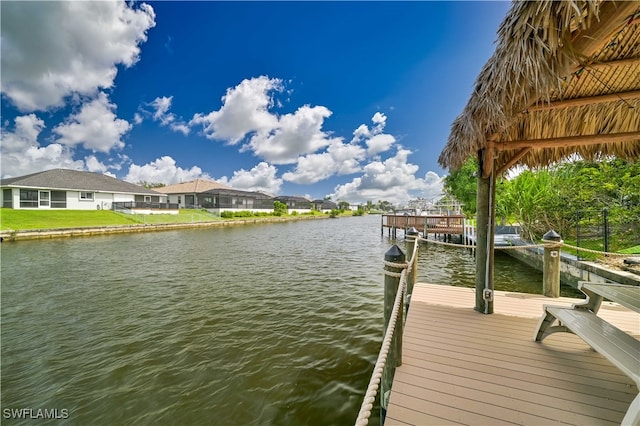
540	60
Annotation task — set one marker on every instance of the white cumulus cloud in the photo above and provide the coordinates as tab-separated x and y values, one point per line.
343	158
339	159
376	141
163	170
261	178
95	127
51	50
22	154
245	110
92	164
296	134
379	143
245	116
161	106
393	179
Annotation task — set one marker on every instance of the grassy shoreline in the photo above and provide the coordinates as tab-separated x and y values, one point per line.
38	224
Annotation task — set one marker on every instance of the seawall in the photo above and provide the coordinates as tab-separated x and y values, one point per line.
572	270
38	234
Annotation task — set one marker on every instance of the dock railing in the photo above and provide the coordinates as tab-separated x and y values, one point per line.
398	283
431	224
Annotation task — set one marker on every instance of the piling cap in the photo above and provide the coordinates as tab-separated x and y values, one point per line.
413	231
394	254
552	236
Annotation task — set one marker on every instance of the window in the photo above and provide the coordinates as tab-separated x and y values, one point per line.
147	198
58	199
44	198
7	198
86	196
207	202
179	200
29	198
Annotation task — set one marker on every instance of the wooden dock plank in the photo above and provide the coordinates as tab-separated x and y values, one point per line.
463	367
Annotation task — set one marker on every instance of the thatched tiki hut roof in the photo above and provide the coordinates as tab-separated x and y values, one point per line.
564	79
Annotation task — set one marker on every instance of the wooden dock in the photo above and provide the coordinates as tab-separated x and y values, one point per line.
433	224
463	367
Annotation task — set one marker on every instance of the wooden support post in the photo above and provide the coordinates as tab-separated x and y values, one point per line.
394	358
425	233
412	234
464	231
551	266
484	242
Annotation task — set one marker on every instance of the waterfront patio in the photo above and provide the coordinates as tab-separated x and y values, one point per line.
462	367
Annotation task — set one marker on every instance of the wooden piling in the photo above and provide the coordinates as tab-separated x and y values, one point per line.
394	358
551	265
412	234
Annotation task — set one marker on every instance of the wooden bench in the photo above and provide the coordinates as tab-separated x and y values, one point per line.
581	319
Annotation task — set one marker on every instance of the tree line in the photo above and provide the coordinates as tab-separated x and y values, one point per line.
561	197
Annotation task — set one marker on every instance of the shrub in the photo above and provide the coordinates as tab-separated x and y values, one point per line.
243	213
279	208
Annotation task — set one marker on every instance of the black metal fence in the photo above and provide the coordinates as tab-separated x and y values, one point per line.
596	231
129	205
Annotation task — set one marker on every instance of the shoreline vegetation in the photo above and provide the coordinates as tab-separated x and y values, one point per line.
19	225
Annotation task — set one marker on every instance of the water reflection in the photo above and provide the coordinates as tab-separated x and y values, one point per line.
259	324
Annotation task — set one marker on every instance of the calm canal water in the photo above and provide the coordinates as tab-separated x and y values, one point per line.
271	324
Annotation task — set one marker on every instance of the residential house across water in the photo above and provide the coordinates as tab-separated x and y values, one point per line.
78	190
295	203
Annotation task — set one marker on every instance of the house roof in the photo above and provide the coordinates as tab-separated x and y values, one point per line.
328	205
563	80
65	179
192	187
292	198
237	192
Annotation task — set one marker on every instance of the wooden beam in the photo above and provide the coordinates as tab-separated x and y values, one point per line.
613	15
487	159
591	100
567	141
506	166
597	66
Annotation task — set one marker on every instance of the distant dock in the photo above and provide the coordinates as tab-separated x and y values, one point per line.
445	225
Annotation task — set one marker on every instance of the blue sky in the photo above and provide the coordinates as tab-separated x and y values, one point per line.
352	100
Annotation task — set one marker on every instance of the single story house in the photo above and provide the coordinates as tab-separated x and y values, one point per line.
217	197
295	204
324	206
227	199
78	190
185	194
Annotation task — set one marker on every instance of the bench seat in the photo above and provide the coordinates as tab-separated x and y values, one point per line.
620	348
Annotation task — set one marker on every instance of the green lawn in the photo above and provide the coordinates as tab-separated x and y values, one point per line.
599	246
631	250
16	220
11	219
